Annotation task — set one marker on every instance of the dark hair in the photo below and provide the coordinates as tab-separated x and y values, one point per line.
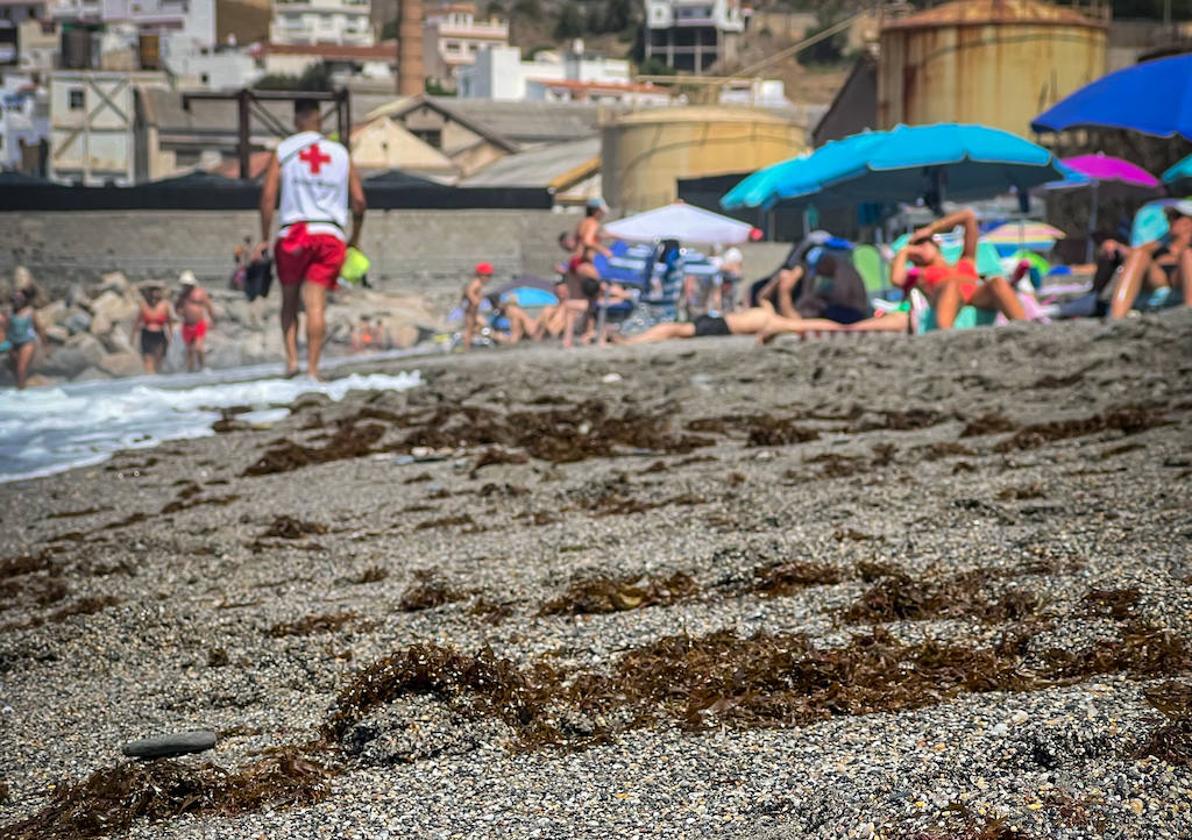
21	298
589	212
1174	214
304	106
826	266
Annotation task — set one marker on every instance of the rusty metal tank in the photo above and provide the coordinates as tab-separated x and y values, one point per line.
645	153
995	62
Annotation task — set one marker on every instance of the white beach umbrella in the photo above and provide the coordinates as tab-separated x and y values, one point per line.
682	222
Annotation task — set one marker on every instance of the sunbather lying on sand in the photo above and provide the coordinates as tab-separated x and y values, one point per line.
758	320
950	287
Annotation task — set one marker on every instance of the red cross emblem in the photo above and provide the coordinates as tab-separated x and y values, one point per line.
314	157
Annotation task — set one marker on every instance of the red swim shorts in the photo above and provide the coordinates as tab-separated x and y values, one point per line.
192	333
311	257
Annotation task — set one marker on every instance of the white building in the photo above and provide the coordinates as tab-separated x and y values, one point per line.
343	61
192	20
93	124
452	37
500	73
213	69
24	125
74	10
596	93
39	43
693	35
322	22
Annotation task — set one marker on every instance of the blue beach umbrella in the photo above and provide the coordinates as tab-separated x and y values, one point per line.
1154	97
953	160
1181	172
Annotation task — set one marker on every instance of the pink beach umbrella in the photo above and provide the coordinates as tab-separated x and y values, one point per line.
1109	169
1094	170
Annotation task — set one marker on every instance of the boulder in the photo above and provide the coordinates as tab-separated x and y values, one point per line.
91	374
52	313
122	364
57	334
114	281
80	352
101	325
77	321
115	307
117	341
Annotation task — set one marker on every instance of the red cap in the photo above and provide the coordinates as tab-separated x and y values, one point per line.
484	269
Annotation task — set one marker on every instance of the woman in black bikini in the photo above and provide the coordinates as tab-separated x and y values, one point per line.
155	321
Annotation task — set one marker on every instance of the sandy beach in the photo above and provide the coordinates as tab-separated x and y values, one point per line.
855	587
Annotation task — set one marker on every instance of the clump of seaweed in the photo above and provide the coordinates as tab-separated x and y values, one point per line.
1141	650
491	686
1117	604
312	625
350	440
110	800
898	597
289	528
1172	741
38	590
783	579
427	592
766	430
446	522
988	424
491	612
599	595
901	421
1129	420
373	574
26	564
84	606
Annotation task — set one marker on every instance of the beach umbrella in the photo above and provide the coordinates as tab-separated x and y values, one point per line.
953	160
1023	235
1180	175
1154	97
1094	171
682	222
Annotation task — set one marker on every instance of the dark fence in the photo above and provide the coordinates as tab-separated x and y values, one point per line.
214	193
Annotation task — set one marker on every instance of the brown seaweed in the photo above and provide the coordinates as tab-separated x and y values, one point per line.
1129	420
290	528
427	592
897	597
599	595
1117	604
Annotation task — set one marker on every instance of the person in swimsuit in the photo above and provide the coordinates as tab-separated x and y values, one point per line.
950	287
1160	255
22	329
757	320
193	306
156	322
589	232
583	289
470	299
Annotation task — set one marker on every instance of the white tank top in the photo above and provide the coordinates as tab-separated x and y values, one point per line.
314	183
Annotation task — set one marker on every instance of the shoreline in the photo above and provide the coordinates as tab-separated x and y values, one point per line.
989	482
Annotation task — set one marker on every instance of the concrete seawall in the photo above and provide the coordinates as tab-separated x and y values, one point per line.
420	250
428	252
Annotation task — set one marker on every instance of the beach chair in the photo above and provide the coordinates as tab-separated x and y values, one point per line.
872	268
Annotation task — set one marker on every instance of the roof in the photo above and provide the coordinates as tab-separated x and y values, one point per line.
384	51
703	113
558	165
206	118
525	123
575	84
257	163
399	108
974	12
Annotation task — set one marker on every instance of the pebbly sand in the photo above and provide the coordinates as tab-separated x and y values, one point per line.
974	589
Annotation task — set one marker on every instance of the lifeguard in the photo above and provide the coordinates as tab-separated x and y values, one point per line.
318	185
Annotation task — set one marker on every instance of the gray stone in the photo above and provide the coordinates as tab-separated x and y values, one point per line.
114	307
77	321
80	352
167	746
122	364
91	374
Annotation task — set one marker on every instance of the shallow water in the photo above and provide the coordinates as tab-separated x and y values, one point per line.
49	430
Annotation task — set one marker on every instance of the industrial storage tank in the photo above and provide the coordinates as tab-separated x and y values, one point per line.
646	152
996	62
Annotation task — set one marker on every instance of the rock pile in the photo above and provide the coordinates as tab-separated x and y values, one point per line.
90	329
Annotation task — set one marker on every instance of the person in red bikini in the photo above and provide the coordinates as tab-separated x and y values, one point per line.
318	185
949	287
154	320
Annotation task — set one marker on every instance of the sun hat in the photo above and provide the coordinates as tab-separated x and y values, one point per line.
484	269
187	278
597	203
